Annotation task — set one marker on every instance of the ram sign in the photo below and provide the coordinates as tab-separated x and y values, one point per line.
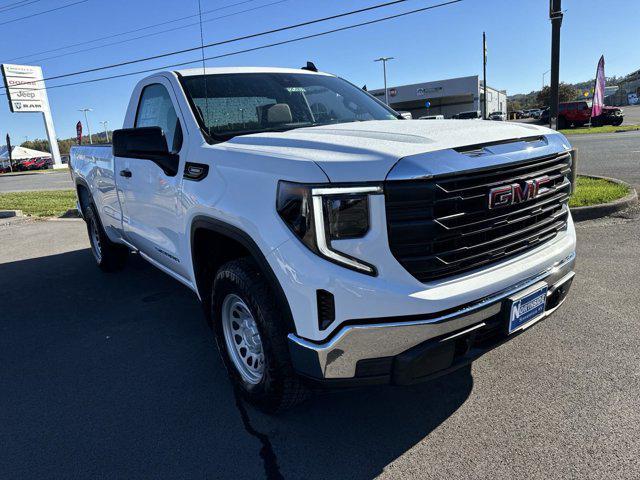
25	88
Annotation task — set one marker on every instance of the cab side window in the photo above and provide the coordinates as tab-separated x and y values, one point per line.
156	110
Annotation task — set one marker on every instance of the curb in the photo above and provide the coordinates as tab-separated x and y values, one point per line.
11	213
580	214
34	172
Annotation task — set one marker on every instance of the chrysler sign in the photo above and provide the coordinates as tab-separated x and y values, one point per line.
25	88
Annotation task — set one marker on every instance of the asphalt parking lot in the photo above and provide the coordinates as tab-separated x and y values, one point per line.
610	154
116	375
631	115
58	180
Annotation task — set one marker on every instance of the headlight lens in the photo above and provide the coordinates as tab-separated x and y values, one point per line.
319	214
347	217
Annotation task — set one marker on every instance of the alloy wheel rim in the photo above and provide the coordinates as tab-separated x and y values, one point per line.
94	237
242	339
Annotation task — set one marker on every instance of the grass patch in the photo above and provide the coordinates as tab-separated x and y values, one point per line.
593	191
604	129
53	203
45	203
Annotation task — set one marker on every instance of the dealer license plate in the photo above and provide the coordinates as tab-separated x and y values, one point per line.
527	307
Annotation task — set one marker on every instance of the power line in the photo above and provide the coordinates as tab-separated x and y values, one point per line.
136	30
261	47
12	3
13	6
40	60
206	98
43	12
223	42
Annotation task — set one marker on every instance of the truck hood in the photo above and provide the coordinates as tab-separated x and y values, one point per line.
366	151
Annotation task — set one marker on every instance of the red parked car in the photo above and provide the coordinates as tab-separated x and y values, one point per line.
40	164
578	114
27	164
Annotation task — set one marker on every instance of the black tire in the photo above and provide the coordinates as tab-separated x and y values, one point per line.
279	387
562	123
109	256
618	122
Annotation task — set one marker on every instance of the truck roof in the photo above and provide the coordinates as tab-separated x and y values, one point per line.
222	70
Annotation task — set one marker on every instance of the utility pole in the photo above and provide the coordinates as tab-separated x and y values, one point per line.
555	14
106	131
384	61
484	75
86	120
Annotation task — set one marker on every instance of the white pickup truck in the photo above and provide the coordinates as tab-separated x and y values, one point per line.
329	240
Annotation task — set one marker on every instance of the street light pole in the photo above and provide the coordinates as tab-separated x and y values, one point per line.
484	75
106	131
86	120
384	61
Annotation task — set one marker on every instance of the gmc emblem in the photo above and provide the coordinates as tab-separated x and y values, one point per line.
506	195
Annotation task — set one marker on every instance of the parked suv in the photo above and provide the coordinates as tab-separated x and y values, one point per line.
578	114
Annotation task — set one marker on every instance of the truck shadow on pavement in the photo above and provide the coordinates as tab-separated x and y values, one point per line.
116	375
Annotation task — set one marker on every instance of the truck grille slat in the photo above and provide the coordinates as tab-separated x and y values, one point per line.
444	226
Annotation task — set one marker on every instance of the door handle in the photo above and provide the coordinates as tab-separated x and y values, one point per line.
125	173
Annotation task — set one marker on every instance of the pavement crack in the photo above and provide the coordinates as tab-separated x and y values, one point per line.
269	459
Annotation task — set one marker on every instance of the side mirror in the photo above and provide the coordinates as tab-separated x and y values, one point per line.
145	143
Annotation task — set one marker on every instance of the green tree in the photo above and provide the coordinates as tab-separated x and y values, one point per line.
64	145
513	105
567	94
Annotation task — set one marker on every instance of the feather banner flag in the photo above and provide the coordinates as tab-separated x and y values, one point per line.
598	90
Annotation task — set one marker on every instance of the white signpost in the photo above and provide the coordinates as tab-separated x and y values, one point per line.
26	93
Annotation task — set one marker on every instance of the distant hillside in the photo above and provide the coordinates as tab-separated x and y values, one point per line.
64	145
520	101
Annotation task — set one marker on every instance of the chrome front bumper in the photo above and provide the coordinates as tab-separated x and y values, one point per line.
338	357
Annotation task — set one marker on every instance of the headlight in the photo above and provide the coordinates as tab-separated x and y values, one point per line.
319	214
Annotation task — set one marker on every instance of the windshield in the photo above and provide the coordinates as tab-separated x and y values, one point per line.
241	103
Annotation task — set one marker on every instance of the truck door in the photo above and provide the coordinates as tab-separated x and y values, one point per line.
150	198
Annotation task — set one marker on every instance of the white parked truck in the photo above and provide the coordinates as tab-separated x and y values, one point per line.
328	239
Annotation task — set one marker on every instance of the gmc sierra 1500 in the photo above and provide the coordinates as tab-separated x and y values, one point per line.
328	239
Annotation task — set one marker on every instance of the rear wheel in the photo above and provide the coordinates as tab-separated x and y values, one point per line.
562	123
109	256
252	337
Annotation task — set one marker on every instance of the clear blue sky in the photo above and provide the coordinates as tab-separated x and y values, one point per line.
433	45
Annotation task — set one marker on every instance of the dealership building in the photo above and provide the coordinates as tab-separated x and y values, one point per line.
445	97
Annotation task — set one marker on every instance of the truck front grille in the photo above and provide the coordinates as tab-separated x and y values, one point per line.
443	226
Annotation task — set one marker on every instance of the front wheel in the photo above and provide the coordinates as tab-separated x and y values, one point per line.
108	255
252	338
